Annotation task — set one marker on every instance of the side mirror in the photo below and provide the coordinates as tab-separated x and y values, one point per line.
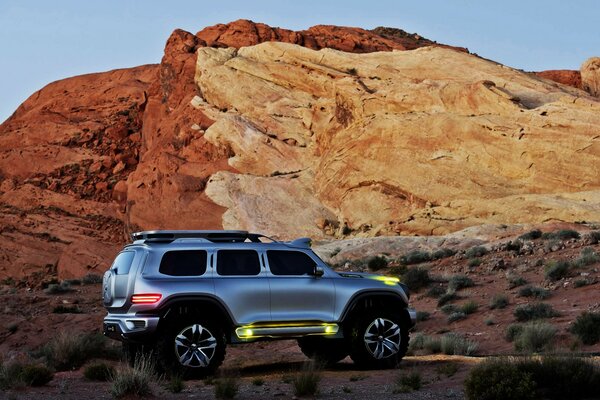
318	271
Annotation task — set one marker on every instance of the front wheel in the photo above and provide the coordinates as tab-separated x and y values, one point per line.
194	348
378	341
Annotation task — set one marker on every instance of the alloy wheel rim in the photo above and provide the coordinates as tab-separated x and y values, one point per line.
382	338
195	346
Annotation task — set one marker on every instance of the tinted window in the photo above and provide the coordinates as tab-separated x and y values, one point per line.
122	263
238	262
290	263
183	263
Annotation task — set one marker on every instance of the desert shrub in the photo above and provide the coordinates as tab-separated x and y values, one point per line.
99	372
422	316
306	382
446	298
134	381
36	374
512	331
474	262
376	263
91	279
258	381
415	257
577	283
454	344
534	291
531	235
514	245
17	375
587	328
416	278
587	257
424	342
469	307
535	337
448	369
397	270
175	384
435	291
516	281
563	234
499	301
499	379
406	383
70	351
457	282
61	309
489	321
449	308
528	312
444	252
476	251
58	288
593	237
556	270
73	282
456	316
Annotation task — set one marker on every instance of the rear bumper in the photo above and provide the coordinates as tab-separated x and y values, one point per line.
128	327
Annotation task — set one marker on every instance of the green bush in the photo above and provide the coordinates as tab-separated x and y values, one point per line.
516	281
457	282
587	328
416	278
501	379
474	262
454	344
456	316
99	372
593	237
54	288
422	316
563	234
534	291
513	331
91	279
36	374
69	351
535	337
556	270
435	291
406	383
258	381
528	312
415	257
442	253
134	381
476	251
449	308
376	263
587	257
446	298
306	382
514	245
429	344
577	283
17	375
499	301
469	307
448	369
531	235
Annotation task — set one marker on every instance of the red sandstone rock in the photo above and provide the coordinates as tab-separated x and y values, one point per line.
564	76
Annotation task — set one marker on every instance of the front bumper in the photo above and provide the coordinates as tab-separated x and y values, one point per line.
126	327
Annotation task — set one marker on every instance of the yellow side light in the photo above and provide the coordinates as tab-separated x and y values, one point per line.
388	280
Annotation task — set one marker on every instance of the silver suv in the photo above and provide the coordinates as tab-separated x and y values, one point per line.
184	295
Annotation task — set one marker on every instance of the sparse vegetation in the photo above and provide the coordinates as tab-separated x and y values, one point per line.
435	291
226	388
516	281
376	263
587	328
16	375
476	251
454	344
534	378
70	351
306	382
577	283
448	369
456	316
532	337
422	342
449	308
258	381
444	252
415	257
587	257
356	378
91	279
99	372
136	380
531	235
446	298
58	288
474	262
499	301
61	309
406	383
469	307
416	278
534	291
175	384
556	270
457	282
352	71
528	312
563	234
422	316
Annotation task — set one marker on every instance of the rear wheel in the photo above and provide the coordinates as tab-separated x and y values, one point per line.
324	350
193	348
378	341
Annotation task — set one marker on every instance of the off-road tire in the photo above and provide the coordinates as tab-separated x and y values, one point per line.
362	355
167	350
328	351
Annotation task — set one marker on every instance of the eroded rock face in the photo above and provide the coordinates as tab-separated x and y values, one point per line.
564	76
590	76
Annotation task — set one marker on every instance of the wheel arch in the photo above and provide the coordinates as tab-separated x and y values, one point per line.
191	306
374	300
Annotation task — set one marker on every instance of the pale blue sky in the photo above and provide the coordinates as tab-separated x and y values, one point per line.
42	41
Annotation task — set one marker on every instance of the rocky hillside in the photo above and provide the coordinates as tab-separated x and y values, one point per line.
327	132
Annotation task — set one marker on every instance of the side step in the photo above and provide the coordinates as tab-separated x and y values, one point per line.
285	330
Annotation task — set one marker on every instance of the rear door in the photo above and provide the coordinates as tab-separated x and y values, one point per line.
296	294
241	282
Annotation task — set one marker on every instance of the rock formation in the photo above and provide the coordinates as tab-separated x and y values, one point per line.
590	76
291	134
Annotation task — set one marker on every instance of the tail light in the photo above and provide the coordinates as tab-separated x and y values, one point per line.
146	298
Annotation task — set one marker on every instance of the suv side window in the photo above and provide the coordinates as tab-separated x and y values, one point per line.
238	262
183	263
283	262
122	263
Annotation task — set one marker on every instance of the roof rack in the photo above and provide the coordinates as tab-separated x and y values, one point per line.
212	236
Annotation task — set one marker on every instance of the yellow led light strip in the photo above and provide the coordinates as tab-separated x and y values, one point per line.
285	329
